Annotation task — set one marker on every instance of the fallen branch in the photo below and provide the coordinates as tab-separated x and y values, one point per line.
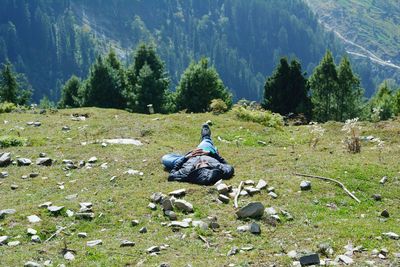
331	180
58	232
237	195
202	238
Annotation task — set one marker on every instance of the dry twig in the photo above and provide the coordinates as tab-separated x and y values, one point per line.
237	195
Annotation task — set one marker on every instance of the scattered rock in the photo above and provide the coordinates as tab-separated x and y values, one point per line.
261	184
33	219
152	206
23	162
391	235
65	128
24	177
32	264
305	185
273	195
292	254
251	190
153	249
126	243
33	175
94	243
44	161
14	187
171	215
55	209
69	256
200	224
233	251
13	243
223	199
385	214
377	197
84	215
69	213
5	212
134	172
243	228
45	204
167	204
71	197
271	211
134	222
82	235
249	182
157	197
345	259
92	160
183	205
383	180
179	224
325	249
222	188
252	210
3	175
311	259
255	228
5	159
42	155
31	231
287	215
3	240
123	141
85	206
36	239
143	230
178	193
271	189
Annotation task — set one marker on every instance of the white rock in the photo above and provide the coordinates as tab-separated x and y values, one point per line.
32	264
183	205
36	239
271	211
69	256
31	231
3	239
82	235
347	260
179	224
13	243
94	243
261	184
70	213
92	160
33	219
391	235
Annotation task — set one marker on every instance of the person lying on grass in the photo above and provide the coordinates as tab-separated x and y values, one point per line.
202	165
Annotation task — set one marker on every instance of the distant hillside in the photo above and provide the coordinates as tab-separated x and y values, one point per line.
368	29
50	40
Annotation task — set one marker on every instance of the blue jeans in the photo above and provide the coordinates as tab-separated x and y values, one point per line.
169	160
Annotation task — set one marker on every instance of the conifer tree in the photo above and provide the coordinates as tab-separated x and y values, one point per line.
69	93
11	84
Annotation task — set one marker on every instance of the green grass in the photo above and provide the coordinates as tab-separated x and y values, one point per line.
286	152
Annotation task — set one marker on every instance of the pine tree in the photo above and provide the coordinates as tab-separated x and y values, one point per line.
349	93
69	93
147	81
8	85
198	86
286	91
383	102
324	83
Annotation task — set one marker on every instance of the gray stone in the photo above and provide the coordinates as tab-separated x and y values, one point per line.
5	212
44	161
293	254
251	190
55	209
346	259
3	240
72	197
31	231
14	187
183	205
126	243
243	228
391	235
82	235
200	224
273	195
32	264
45	204
94	243
152	206
305	185
143	230
36	239
86	205
252	210
167	204
37	123
69	256
325	249
5	159
222	188
33	219
178	193
157	197
13	243
179	224
255	228
377	197
69	213
134	222
153	249
223	198
271	189
171	215
3	175
33	175
261	184
233	251
384	251
271	211
383	180
23	162
92	160
249	182
287	215
84	215
385	214
24	177
65	128
42	155
276	217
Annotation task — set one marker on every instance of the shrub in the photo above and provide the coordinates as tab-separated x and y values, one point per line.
8	141
352	140
218	106
263	117
7	107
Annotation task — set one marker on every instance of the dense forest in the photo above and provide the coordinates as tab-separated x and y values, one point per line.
51	40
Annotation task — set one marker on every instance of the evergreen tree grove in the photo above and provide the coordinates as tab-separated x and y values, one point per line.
69	93
10	86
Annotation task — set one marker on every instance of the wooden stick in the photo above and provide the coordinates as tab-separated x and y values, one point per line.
331	180
237	195
202	238
58	232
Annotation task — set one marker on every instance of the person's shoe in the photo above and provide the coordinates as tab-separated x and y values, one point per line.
205	131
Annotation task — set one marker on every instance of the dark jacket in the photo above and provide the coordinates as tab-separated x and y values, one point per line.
185	170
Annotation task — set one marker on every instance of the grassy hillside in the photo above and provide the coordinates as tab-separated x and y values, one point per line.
116	203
